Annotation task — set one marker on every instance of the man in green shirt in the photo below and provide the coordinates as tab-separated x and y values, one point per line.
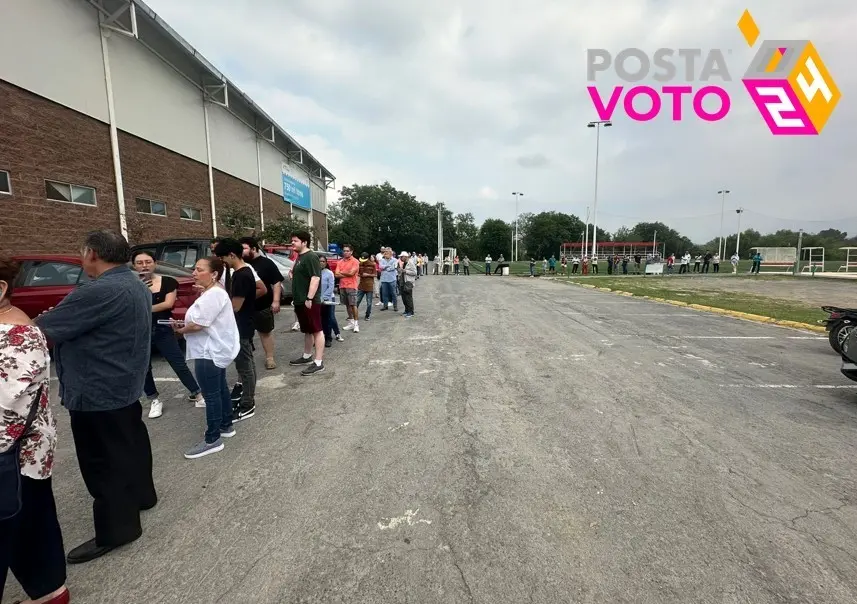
306	291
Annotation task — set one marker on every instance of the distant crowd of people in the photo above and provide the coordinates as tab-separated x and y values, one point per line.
102	335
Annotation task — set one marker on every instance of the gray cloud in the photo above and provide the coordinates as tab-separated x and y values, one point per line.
536	160
450	96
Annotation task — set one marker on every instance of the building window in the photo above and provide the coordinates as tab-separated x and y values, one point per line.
5	183
60	191
148	206
189	213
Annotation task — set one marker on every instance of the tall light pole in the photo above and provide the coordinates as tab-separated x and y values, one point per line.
739	211
597	125
517	195
721	245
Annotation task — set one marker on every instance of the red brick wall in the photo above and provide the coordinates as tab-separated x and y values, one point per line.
155	173
274	206
230	191
42	140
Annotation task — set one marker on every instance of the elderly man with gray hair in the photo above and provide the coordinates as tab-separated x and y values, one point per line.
101	333
407	280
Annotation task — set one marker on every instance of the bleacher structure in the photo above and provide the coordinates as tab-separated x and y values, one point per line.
814	258
778	260
850	260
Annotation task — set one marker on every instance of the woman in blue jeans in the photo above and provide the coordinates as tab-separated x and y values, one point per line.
164	292
212	343
328	312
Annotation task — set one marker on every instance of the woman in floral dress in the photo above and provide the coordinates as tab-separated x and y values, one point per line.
31	541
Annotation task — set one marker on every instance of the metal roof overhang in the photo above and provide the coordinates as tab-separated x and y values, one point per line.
135	19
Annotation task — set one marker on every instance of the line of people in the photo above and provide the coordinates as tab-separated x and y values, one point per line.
102	335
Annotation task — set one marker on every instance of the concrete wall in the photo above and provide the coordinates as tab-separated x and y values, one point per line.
53	48
153	102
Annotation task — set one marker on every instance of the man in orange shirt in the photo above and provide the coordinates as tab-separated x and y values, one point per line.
346	272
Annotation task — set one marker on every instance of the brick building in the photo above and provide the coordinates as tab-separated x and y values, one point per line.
99	97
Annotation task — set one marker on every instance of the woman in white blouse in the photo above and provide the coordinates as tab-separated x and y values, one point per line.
212	344
30	537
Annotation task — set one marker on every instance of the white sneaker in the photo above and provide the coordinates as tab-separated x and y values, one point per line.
356	328
156	409
339	338
199	403
349	326
296	326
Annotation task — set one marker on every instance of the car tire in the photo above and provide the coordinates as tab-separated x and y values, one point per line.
835	336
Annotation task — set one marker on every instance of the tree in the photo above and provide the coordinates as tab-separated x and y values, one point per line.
372	216
495	238
668	239
623	233
466	235
547	231
281	229
238	220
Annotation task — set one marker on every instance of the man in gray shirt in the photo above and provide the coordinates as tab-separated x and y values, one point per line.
101	338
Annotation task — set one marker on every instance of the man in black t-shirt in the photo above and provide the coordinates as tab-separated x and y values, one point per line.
241	287
268	305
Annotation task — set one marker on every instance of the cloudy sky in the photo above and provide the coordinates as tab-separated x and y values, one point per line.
465	101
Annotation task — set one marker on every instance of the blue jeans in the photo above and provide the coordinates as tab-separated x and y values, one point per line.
329	325
218	404
388	294
368	295
164	340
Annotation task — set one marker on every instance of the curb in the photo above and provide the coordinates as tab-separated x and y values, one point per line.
712	309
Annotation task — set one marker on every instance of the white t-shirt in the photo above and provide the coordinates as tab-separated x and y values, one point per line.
223	276
218	340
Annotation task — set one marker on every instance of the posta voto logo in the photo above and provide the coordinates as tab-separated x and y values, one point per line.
787	81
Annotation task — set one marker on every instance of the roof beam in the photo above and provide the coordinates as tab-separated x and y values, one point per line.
111	21
269	133
217	93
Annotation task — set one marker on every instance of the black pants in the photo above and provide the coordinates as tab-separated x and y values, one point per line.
696	267
408	297
705	267
115	458
31	542
445	269
683	269
717	267
466	270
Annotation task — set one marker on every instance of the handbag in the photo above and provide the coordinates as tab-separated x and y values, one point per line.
10	471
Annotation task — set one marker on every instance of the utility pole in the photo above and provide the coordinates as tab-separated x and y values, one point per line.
517	195
721	244
439	233
739	211
799	253
597	125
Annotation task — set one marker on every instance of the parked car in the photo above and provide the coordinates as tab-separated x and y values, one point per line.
45	280
285	265
178	252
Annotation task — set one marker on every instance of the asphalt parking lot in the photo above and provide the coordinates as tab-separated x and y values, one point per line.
519	440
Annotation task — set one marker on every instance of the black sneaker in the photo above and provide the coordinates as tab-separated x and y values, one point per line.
312	369
300	361
242	415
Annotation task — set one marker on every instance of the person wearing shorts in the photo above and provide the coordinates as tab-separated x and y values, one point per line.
306	291
346	272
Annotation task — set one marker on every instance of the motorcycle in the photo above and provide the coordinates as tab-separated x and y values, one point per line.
849	356
839	325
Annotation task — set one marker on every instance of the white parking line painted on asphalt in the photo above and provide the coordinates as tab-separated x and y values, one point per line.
408	518
790	386
724	337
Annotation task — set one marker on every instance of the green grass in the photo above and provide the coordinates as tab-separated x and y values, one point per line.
683	290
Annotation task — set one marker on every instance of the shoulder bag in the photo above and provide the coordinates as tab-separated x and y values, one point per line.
10	470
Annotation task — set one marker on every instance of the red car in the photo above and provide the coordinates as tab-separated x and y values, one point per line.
45	280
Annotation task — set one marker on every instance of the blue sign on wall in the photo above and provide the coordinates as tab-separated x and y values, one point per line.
295	192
